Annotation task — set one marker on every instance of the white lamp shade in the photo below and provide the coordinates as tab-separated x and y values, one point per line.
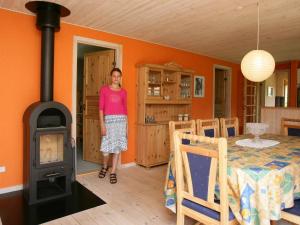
257	65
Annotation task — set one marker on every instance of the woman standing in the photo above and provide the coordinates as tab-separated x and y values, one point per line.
113	122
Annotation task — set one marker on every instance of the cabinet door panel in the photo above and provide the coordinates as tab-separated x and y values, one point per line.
185	86
153	145
158	140
154	84
162	141
166	142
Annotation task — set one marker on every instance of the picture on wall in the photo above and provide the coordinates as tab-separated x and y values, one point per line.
199	86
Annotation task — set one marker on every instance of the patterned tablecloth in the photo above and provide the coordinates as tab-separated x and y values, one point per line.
261	181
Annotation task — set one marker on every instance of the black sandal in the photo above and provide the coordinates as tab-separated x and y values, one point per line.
102	172
113	178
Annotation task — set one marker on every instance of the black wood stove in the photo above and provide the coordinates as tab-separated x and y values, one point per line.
48	155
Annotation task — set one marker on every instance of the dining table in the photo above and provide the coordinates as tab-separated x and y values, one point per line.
261	181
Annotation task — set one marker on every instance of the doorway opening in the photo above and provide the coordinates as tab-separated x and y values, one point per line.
221	92
92	63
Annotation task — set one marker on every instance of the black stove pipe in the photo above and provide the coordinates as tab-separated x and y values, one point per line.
48	21
47	65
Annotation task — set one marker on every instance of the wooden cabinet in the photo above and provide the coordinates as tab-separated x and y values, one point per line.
153	143
163	92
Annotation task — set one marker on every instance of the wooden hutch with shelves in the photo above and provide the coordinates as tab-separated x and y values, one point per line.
163	92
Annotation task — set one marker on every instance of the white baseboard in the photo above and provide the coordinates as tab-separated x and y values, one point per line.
11	189
127	165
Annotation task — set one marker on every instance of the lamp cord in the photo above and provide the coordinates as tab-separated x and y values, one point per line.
257	24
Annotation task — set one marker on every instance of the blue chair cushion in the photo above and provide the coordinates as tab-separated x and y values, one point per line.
231	131
199	169
185	141
205	211
294	132
295	210
209	133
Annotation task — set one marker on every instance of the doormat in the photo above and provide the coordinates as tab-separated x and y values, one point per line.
14	209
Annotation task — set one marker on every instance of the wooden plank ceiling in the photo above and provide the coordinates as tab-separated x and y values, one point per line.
224	29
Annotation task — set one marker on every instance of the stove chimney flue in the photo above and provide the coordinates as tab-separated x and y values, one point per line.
48	21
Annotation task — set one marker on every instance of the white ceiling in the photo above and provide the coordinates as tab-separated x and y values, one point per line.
224	29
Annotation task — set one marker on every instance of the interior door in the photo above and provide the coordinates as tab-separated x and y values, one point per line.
222	94
219	94
97	67
250	102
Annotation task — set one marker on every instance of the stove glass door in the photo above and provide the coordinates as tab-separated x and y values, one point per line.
51	148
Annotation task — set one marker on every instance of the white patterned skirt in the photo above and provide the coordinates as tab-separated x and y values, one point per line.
115	139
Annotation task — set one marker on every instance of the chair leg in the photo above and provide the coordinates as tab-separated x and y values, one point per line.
180	218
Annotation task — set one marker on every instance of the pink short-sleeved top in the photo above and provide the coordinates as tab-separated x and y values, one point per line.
113	102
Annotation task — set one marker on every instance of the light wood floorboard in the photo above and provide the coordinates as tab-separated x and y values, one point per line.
136	199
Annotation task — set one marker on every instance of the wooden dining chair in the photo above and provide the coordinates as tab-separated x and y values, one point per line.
290	127
229	127
208	128
170	184
196	176
181	126
292	214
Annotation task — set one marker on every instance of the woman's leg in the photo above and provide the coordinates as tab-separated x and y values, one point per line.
113	175
105	159
115	162
104	169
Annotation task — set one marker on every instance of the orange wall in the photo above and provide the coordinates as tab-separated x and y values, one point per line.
20	78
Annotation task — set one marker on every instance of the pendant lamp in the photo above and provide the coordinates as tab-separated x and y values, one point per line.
257	65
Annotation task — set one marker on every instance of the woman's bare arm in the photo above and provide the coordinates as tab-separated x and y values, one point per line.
102	124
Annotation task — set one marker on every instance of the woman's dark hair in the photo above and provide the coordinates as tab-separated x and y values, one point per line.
115	70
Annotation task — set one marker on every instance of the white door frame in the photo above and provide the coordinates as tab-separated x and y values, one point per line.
83	40
229	83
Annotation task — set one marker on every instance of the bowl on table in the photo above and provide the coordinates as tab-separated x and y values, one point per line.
256	129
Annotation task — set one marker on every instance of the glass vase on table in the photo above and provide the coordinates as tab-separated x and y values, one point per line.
256	129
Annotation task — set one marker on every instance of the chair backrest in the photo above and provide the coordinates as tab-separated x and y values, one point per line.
229	127
208	128
196	171
182	126
290	127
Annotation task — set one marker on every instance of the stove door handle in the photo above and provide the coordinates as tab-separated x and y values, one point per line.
52	174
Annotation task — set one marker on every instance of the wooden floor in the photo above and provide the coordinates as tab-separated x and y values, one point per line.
137	199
